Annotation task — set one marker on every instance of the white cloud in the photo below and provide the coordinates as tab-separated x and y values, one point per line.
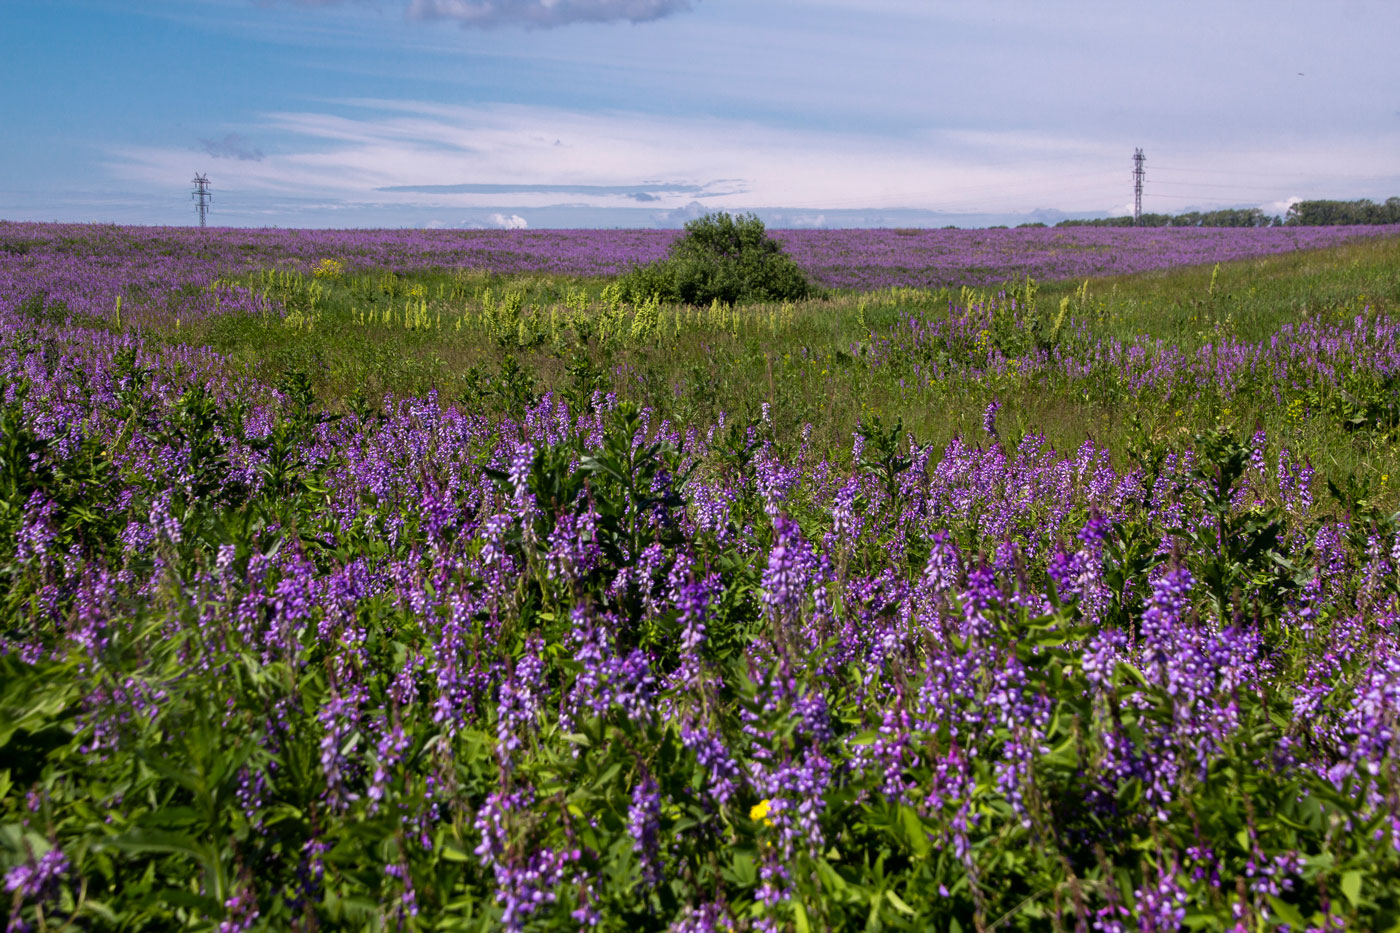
232	146
511	222
1279	208
544	13
364	146
803	221
680	216
485	14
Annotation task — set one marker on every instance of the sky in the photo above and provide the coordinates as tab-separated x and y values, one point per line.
647	113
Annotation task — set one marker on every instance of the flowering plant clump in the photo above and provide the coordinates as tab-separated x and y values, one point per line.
537	656
329	269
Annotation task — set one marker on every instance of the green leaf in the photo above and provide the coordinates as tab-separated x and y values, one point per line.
607	776
99	909
178	898
1351	886
1320	863
1127	673
830	878
150	840
741	870
914	830
899	904
1064	755
800	917
1287	912
452	853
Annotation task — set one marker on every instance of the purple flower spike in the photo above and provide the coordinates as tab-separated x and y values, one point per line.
989	417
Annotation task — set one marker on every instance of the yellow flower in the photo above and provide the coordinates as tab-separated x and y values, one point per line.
759	811
1295	411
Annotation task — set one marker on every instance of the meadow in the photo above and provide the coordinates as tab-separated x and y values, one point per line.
1028	579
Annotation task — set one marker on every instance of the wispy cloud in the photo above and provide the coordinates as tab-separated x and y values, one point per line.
644	192
545	13
232	146
540	14
526	156
409	156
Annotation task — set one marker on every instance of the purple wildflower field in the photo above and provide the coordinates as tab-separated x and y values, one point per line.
87	264
562	661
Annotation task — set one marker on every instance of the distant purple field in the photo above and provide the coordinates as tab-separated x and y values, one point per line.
88	264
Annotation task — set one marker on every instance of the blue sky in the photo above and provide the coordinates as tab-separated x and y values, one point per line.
539	113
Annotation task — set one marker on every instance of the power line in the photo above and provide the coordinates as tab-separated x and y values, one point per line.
1204	184
1294	176
941	197
1180	197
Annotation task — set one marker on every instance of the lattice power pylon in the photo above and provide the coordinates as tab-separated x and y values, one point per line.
201	197
1139	173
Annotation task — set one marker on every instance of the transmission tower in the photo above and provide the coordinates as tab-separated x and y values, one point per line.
1139	173
201	196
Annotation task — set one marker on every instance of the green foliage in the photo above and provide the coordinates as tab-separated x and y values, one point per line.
1365	403
1239	555
1310	213
1227	217
721	258
66	490
514	388
1323	213
38	308
884	456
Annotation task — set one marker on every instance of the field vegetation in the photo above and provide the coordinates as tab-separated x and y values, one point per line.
1127	360
1317	213
349	592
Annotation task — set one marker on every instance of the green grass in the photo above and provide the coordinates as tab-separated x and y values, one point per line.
1251	299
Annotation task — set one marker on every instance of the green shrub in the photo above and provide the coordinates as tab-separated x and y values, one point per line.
722	257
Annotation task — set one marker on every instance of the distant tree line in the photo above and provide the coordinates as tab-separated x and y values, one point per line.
1232	217
1302	214
1333	213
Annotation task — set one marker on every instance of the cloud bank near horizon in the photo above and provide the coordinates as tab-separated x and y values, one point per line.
643	193
512	159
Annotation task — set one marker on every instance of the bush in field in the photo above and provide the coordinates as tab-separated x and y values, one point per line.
722	257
